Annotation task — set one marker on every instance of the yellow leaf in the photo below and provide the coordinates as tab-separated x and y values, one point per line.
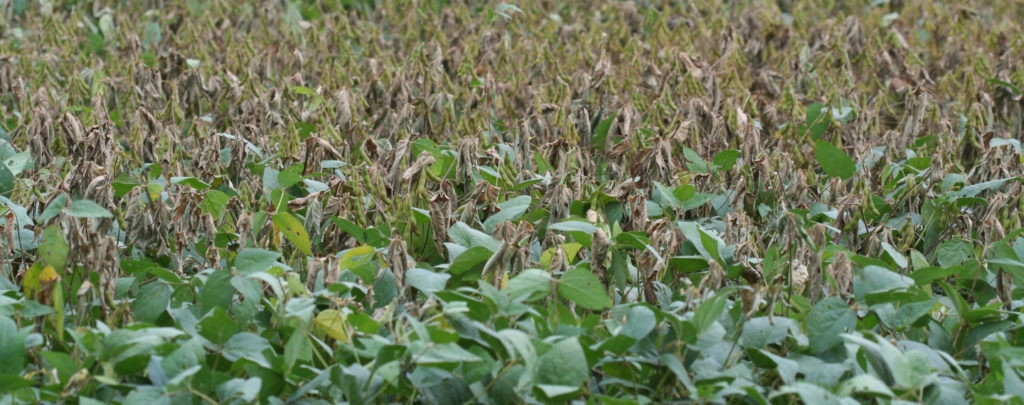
293	229
332	322
48	274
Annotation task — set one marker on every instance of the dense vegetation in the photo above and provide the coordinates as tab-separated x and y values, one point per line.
327	201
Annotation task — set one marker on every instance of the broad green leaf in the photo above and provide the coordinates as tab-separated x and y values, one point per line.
572	225
828	320
709	311
6	179
563	364
906	315
953	252
88	209
56	206
812	394
529	284
425	280
238	388
152	301
18	162
584	288
975	189
601	133
254	260
12	351
53	249
865	384
509	211
469	237
880	355
469	259
816	120
447	353
875	279
640	321
926	275
218	291
834	161
191	182
217	326
726	159
293	229
897	257
359	260
249	346
761	331
694	162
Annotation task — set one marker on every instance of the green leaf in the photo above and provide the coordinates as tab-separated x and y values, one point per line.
88	209
694	162
926	275
572	225
833	160
601	133
726	159
975	189
244	389
470	259
359	260
826	323
811	394
563	364
217	326
293	229
54	208
12	351
709	311
875	279
584	288
509	211
425	280
817	120
530	284
468	237
191	182
53	249
640	321
6	179
761	331
152	301
255	260
218	291
953	252
247	346
865	384
447	353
